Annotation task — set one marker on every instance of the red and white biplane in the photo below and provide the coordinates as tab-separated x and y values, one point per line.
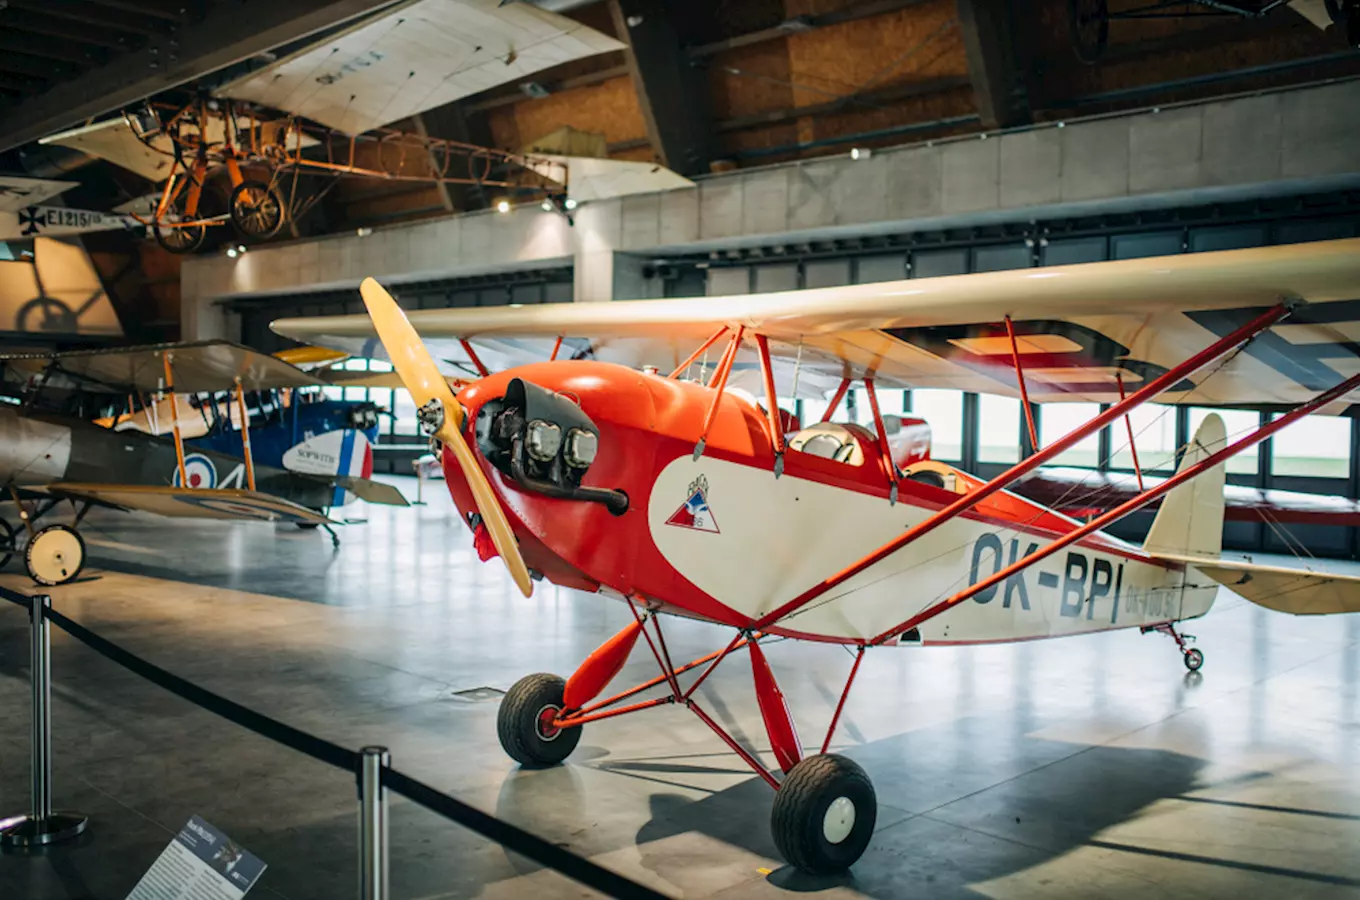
689	496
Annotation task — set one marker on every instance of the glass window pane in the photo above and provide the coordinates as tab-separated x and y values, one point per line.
1059	419
1154	434
1239	422
334	393
998	429
1314	445
943	412
404	412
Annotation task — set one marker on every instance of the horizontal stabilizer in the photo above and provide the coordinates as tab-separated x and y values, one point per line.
1296	591
191	503
372	491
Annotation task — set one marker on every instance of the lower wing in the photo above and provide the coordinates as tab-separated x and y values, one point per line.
193	503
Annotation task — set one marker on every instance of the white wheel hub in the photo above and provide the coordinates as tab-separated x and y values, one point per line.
54	555
839	820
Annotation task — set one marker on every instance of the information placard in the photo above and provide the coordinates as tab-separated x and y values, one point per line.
201	863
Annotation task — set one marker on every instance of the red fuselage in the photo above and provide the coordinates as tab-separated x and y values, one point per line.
647	421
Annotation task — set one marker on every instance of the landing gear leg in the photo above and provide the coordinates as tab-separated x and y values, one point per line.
1192	656
335	538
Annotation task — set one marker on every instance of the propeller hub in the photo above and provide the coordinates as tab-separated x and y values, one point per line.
431	416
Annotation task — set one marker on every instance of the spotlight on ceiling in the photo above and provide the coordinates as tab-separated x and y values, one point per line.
503	206
231	252
570	204
546	205
859	153
240	248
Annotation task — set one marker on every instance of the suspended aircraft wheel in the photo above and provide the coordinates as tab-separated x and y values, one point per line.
257	209
9	543
1089	24
824	814
185	239
1194	659
55	555
524	722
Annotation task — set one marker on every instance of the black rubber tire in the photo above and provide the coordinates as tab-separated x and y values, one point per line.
1194	659
9	543
181	240
308	526
800	809
256	209
517	722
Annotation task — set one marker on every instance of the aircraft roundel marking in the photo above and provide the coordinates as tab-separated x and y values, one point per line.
199	470
695	513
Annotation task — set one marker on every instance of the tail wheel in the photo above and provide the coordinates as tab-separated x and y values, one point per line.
182	239
257	209
824	814
9	543
1194	659
55	555
524	722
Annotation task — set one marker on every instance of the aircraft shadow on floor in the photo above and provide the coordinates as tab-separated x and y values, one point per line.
993	806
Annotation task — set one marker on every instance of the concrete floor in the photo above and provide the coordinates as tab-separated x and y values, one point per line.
1086	767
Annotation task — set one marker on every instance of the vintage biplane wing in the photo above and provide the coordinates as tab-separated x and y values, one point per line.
1079	329
200	367
1083	492
193	503
417	55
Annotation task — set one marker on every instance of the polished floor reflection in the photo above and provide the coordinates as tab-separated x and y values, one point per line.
1081	767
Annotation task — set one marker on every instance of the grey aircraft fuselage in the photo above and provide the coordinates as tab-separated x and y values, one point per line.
39	448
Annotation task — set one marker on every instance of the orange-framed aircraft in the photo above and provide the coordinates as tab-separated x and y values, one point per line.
689	496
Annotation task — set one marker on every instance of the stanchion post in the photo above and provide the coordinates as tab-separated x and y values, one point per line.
373	879
42	825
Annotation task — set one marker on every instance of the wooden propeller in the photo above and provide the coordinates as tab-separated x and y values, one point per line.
423	380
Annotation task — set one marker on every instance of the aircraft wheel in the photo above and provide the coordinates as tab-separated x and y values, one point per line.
1194	659
824	814
256	209
308	526
185	239
524	722
8	543
55	555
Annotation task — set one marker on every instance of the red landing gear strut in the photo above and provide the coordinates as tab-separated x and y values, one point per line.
824	808
1194	657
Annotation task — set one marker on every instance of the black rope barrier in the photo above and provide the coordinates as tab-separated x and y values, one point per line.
315	747
520	841
509	836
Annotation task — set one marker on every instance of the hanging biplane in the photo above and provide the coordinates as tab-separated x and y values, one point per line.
683	496
50	452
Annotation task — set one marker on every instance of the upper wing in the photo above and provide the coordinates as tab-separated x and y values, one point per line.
193	503
1079	328
197	367
418	55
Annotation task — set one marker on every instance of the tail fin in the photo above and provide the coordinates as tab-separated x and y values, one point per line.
1190	522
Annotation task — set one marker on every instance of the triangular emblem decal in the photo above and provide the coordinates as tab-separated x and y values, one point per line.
695	513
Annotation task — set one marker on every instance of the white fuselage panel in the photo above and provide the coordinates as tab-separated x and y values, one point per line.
761	541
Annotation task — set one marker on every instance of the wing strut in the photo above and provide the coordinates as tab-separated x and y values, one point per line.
245	434
1024	391
719	382
889	464
1128	423
836	399
679	370
1129	506
1172	376
174	420
771	403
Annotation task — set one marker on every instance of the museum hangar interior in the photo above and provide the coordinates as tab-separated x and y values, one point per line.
410	405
